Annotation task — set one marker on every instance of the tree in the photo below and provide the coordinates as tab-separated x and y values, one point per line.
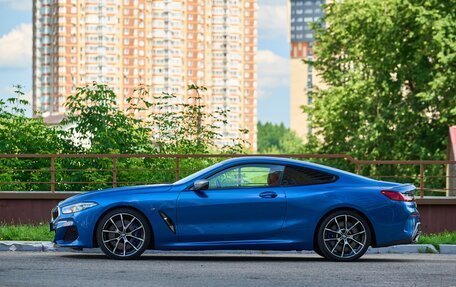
157	124
390	67
94	123
276	138
20	134
183	126
163	124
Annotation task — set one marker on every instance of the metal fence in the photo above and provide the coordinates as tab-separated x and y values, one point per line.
59	172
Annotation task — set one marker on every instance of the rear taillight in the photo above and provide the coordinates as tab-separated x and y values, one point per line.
397	196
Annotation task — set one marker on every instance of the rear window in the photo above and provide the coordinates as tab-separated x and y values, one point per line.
304	176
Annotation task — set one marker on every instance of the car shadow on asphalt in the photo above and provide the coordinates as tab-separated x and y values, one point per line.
235	258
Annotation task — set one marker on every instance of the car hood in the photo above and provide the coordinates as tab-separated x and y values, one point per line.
94	195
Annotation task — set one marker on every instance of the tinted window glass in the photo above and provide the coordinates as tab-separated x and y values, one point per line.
247	176
305	176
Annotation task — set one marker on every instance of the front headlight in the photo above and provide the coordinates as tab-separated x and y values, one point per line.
77	207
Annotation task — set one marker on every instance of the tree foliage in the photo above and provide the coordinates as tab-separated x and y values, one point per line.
96	124
276	138
21	134
161	124
185	127
391	74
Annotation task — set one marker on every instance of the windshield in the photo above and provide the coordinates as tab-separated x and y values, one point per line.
197	174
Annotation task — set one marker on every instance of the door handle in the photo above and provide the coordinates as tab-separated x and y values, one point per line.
268	194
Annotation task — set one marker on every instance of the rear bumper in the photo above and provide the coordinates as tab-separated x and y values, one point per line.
415	235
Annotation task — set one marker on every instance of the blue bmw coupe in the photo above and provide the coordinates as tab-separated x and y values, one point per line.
247	203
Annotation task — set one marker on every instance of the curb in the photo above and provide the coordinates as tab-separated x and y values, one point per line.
410	248
38	246
21	246
47	246
447	249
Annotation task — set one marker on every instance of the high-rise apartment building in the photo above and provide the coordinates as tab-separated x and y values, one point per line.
164	44
303	78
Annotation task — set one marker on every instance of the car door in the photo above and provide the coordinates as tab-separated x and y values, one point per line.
241	203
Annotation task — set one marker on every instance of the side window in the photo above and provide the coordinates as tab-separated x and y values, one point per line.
305	176
255	175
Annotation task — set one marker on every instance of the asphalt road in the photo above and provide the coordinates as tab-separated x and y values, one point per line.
177	269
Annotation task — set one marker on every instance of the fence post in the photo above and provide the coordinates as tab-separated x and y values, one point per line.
177	168
114	172
421	180
52	174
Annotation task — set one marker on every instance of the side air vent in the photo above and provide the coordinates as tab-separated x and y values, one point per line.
168	221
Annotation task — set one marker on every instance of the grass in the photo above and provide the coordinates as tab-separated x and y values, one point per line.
26	232
440	238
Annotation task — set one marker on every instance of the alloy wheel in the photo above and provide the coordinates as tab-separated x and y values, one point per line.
123	234
345	236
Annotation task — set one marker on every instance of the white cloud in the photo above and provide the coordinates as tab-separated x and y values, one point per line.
18	5
16	47
272	18
273	72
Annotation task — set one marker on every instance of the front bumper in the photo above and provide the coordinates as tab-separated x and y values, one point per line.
74	230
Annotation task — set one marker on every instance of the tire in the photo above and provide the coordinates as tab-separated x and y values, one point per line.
123	233
318	251
339	243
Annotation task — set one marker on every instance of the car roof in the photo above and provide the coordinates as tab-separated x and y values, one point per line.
272	159
289	161
240	160
276	160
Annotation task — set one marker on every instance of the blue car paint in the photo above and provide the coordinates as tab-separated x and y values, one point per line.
240	218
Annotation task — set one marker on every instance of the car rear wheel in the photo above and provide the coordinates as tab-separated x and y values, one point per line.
318	251
344	236
123	234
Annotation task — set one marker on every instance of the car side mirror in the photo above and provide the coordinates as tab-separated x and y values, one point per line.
201	184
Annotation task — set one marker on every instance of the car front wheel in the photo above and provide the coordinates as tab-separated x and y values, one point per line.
123	234
344	236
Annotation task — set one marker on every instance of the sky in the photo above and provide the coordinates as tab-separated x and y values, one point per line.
272	56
